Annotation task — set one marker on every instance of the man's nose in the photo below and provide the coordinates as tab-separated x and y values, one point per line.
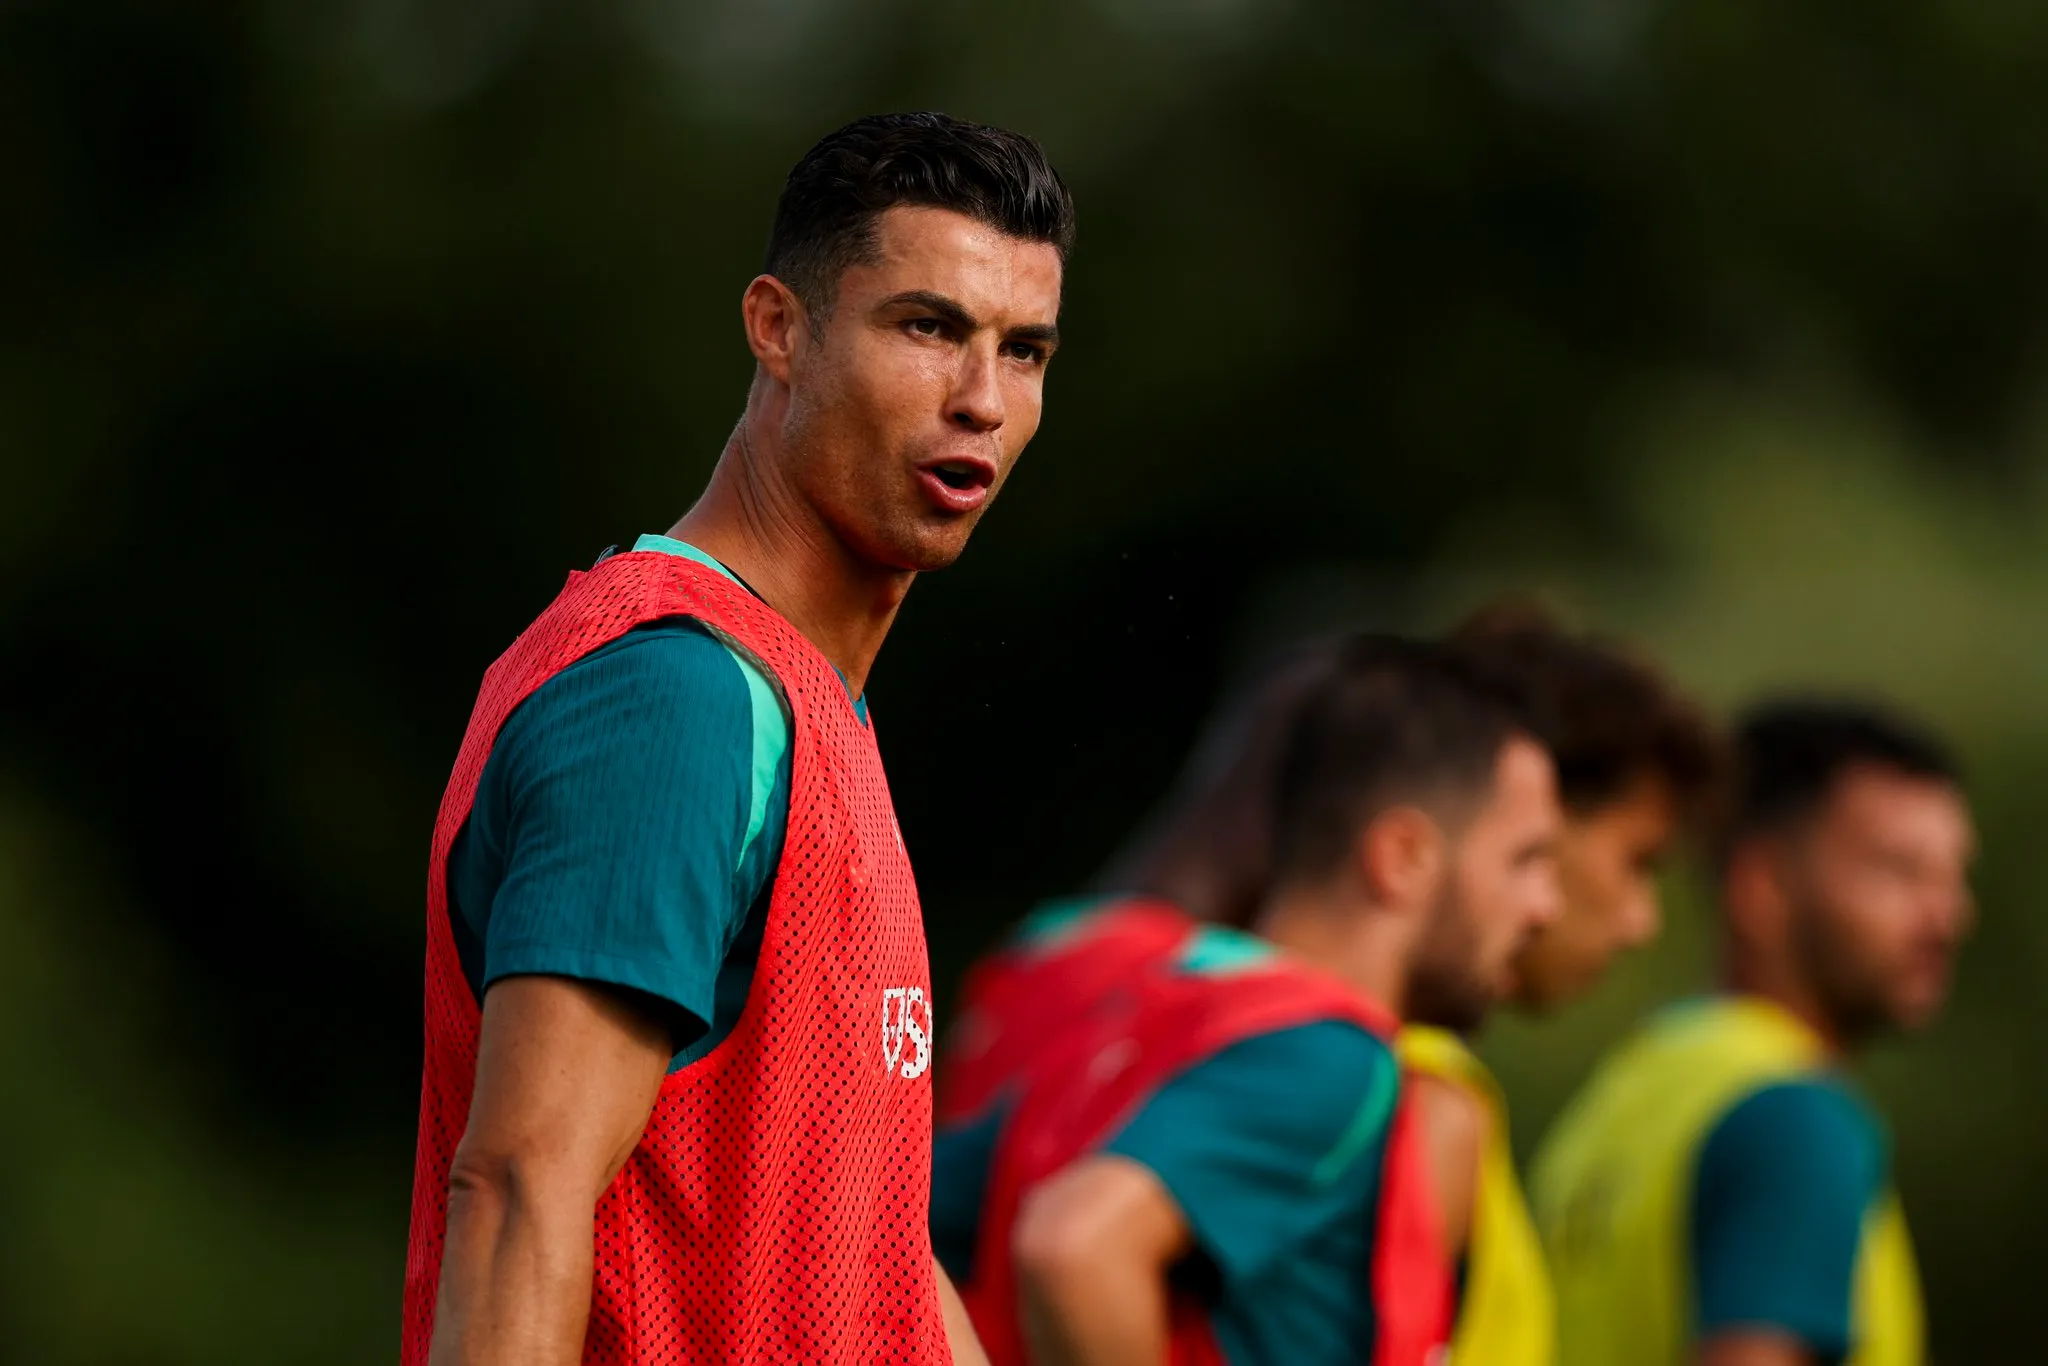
1549	899
976	403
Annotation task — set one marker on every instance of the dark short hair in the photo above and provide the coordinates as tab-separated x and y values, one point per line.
1395	721
1607	716
1209	849
1790	752
825	219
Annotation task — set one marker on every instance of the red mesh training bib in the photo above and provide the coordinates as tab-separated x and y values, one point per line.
1094	1076
776	1209
1016	1001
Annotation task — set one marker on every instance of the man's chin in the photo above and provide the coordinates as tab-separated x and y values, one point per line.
910	540
918	544
1545	985
1459	1016
1529	988
931	561
1917	1011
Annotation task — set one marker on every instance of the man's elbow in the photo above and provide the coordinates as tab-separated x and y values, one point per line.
482	1182
1055	1246
496	1183
1089	1227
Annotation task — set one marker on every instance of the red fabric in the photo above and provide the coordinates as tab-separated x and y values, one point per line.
1099	1073
1414	1287
776	1207
1014	1002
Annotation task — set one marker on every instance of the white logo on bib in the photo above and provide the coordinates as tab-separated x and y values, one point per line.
906	1015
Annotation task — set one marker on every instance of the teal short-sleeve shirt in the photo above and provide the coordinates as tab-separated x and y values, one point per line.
1272	1149
628	824
1781	1195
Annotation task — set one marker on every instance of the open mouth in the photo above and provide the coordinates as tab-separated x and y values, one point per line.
960	475
957	486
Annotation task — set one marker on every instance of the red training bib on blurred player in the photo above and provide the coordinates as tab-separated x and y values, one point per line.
1018	1000
1095	1075
776	1207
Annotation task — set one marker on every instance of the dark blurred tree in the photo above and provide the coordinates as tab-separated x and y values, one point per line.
331	335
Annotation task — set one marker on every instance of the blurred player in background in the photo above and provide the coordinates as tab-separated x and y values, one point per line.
1212	1164
670	913
1637	766
1207	857
1719	1192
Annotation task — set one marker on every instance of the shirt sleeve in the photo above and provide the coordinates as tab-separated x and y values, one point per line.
962	1156
1270	1140
1784	1182
624	796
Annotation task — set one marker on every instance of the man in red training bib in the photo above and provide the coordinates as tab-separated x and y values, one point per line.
1204	857
1213	1165
676	1100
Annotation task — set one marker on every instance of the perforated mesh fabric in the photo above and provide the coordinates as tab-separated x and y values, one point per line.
1094	1076
775	1209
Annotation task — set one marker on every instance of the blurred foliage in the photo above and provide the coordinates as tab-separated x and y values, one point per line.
335	331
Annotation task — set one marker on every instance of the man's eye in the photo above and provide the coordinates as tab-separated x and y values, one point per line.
1026	352
925	327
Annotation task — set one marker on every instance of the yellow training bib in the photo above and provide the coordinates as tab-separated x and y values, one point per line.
1505	1316
1612	1188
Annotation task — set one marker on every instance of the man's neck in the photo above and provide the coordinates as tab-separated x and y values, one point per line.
1344	938
754	524
1781	989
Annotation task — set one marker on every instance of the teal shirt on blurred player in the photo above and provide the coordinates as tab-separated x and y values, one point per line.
1271	1149
1717	1176
628	824
1784	1188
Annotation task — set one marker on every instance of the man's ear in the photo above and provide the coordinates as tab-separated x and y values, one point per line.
776	325
1402	855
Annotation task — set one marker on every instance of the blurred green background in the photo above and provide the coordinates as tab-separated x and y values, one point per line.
332	332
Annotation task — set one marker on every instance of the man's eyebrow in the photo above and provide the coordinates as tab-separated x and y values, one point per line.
932	302
1045	334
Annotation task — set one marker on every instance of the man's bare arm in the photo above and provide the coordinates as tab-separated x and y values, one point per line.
1755	1347
1093	1246
567	1074
966	1347
1452	1122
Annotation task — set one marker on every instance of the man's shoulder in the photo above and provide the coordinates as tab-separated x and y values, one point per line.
679	650
668	671
1798	1126
1339	1048
1789	1157
1301	1076
1782	1193
1443	1053
1326	1088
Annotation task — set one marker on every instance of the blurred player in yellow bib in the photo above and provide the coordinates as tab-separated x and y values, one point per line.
1719	1194
1636	763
